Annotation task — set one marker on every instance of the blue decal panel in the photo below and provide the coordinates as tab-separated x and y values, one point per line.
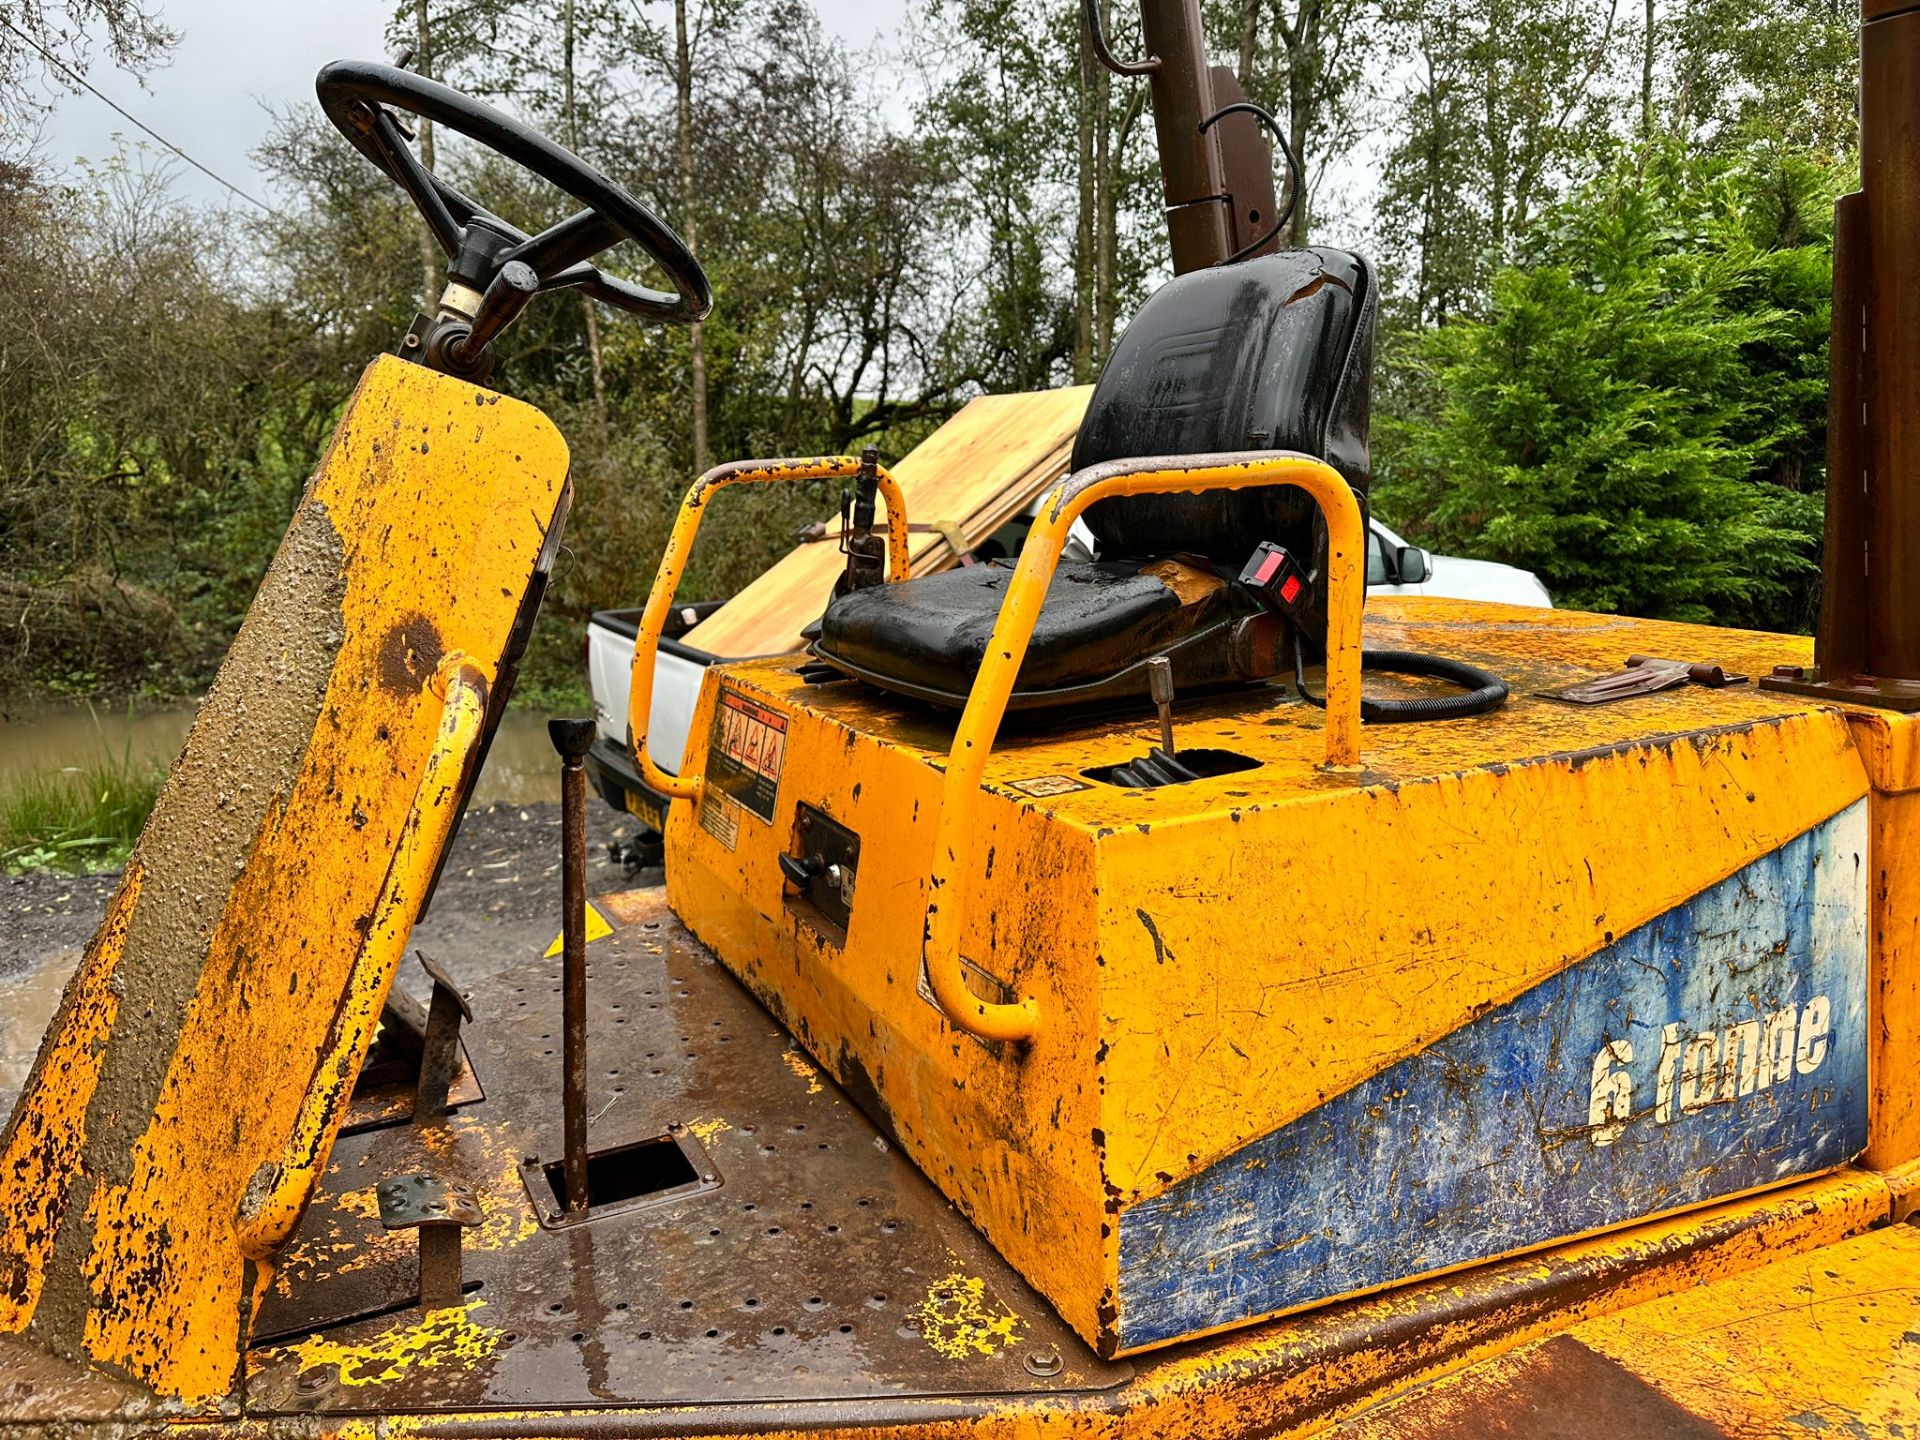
1718	1048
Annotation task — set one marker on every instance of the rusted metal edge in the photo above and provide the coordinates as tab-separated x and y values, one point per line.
1302	1371
1902	696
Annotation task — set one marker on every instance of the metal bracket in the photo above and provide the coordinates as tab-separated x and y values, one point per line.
1645	675
1097	33
440	1050
1266	118
1869	691
439	1211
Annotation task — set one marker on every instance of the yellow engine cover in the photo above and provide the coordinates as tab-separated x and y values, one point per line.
1305	1034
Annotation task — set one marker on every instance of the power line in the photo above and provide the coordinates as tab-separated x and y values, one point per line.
134	120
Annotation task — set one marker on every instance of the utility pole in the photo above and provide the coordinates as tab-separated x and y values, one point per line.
683	123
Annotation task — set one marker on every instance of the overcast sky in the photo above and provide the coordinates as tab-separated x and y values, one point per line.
235	54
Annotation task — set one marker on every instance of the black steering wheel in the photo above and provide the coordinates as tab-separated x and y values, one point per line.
356	95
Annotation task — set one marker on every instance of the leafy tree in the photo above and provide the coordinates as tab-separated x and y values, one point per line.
999	123
1309	61
1640	416
152	430
1506	102
1606	364
1789	67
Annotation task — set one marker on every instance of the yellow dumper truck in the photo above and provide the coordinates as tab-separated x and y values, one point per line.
1150	992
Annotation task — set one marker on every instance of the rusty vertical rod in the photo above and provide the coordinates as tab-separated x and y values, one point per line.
572	738
1840	641
1193	179
1890	186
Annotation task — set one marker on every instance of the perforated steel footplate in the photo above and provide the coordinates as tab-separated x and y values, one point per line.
814	1261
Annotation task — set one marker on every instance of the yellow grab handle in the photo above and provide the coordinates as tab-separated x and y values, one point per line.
1027	591
274	1204
646	641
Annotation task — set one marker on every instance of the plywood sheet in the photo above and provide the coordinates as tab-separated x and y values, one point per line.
975	472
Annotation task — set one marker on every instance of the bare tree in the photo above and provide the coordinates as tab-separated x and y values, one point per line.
429	247
595	358
44	45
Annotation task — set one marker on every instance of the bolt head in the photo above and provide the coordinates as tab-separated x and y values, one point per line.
1044	1363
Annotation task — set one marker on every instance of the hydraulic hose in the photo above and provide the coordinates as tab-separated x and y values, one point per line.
1483	691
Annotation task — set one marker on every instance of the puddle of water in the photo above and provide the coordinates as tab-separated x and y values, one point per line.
35	739
27	1003
521	768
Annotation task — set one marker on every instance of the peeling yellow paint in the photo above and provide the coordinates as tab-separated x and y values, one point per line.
44	1139
1465	865
705	1130
507	1216
443	1337
271	914
957	1319
797	1063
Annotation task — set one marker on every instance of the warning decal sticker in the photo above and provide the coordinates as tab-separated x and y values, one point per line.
720	818
746	752
1042	786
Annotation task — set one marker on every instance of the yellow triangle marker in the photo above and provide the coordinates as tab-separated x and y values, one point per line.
596	927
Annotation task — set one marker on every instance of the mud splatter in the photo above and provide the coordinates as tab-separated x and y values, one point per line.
411	652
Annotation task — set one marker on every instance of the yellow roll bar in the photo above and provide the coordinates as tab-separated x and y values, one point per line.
1013	630
987	702
646	641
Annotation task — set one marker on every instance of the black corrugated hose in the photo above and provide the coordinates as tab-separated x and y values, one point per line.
1483	691
1151	771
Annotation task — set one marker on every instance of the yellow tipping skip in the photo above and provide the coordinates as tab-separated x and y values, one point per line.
188	1092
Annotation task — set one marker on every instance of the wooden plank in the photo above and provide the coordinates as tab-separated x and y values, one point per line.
977	471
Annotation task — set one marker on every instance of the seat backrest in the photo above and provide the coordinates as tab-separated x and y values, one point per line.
1274	353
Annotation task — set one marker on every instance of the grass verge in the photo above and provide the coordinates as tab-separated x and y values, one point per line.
78	819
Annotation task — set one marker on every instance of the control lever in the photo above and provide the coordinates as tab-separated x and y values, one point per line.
1160	765
572	739
866	552
507	295
1160	687
799	869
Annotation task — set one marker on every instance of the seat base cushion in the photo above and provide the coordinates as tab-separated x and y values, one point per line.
1101	623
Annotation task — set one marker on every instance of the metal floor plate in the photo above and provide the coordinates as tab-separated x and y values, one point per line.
820	1265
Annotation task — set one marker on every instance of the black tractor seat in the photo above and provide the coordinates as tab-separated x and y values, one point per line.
1101	621
1274	353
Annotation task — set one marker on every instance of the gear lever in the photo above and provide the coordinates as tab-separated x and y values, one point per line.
1160	687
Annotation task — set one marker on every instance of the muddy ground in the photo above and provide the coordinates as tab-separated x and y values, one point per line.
498	903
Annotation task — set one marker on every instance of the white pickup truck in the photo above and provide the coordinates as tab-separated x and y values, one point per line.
1393	568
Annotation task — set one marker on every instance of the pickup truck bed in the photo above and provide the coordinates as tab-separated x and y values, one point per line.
610	635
